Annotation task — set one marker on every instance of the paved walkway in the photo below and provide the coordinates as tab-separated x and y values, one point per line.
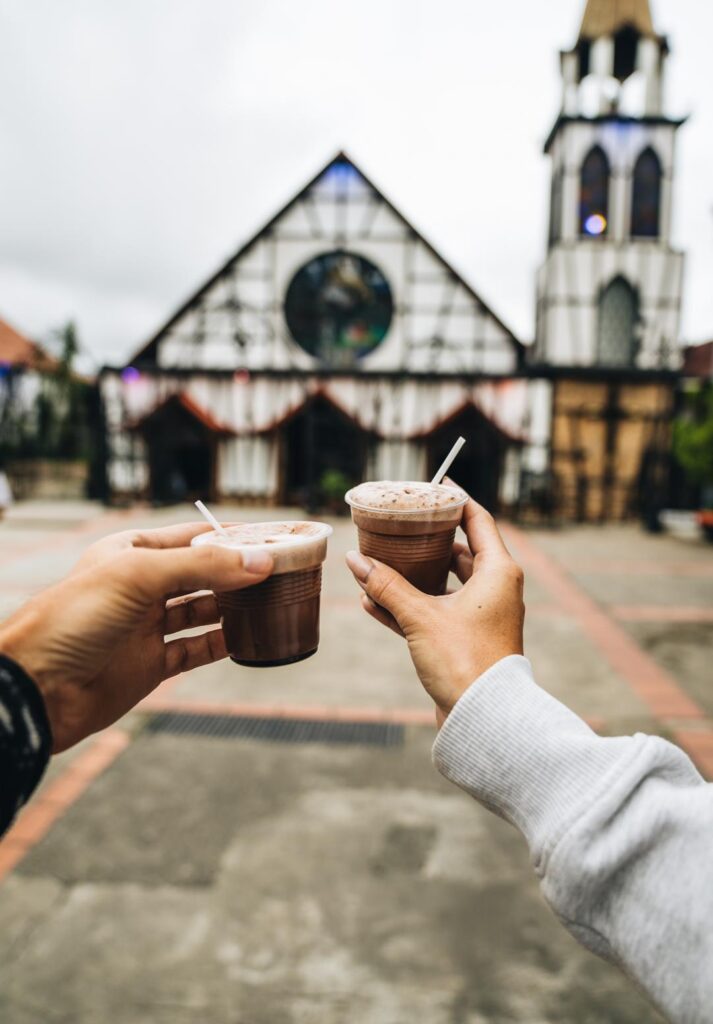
161	876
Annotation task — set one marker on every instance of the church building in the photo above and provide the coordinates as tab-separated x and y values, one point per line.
337	344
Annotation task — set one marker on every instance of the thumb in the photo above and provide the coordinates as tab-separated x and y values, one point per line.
385	586
207	567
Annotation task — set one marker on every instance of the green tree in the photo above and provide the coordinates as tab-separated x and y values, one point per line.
68	397
693	438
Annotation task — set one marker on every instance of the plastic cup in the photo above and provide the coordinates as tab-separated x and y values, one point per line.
409	525
276	622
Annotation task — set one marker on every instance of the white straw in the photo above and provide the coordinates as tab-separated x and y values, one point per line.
446	464
211	518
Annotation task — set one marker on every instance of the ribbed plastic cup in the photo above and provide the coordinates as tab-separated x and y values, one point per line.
409	525
276	622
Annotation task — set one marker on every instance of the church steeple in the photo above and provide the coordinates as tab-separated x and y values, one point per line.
609	291
616	65
606	17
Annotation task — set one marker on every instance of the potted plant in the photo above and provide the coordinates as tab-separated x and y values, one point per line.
693	448
333	485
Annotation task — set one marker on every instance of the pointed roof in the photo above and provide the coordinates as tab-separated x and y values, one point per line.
147	353
606	17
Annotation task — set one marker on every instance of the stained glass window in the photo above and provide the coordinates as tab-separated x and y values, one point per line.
594	194
646	196
617	340
338	307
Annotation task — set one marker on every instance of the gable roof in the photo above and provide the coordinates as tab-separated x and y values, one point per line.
17	350
148	351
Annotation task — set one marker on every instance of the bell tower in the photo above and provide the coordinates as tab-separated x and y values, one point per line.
609	290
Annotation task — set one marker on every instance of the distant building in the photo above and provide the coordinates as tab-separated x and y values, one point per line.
51	429
609	291
337	339
23	367
698	361
19	353
338	343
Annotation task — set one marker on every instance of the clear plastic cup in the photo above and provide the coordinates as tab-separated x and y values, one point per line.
276	622
409	525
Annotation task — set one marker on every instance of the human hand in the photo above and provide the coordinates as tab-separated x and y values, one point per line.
95	643
452	639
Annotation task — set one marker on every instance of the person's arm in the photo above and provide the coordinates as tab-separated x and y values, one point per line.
620	830
25	739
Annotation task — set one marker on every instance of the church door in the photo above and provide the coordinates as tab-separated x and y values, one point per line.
181	456
479	465
323	454
617	325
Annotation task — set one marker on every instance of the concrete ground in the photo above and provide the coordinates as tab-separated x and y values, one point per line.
182	878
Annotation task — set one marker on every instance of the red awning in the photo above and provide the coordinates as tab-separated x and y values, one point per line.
189	406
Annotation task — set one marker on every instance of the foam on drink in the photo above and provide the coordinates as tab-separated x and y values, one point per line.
409	525
275	622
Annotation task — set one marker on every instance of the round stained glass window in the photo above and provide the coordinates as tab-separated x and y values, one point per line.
338	307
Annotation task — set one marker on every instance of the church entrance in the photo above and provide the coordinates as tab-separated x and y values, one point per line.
479	465
181	453
323	454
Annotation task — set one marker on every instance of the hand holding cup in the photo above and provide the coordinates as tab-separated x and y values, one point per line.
456	637
95	644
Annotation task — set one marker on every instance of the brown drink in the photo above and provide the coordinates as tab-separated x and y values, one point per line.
409	526
276	622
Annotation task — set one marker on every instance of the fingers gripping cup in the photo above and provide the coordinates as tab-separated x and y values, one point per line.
276	622
409	526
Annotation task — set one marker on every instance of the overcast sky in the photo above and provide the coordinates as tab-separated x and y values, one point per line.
142	141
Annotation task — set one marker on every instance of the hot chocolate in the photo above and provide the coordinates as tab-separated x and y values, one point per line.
410	526
276	622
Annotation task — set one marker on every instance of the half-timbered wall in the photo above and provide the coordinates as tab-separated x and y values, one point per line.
237	322
601	434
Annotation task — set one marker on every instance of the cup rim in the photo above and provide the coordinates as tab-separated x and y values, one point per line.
401	512
323	532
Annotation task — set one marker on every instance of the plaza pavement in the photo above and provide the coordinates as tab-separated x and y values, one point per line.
160	877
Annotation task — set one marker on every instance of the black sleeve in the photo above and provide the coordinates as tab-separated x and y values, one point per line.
25	739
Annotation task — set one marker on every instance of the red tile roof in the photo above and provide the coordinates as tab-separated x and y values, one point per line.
17	350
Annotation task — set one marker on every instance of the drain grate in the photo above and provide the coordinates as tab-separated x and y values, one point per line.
277	730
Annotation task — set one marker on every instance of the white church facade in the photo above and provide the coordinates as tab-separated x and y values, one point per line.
338	344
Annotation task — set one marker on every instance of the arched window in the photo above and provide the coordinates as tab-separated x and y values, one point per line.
594	194
646	195
617	340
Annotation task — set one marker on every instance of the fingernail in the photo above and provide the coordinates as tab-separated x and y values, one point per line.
360	566
257	561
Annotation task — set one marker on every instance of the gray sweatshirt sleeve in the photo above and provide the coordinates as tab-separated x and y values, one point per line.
620	830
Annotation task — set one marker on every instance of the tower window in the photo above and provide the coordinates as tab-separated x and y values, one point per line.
617	341
646	195
594	194
583	53
625	45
